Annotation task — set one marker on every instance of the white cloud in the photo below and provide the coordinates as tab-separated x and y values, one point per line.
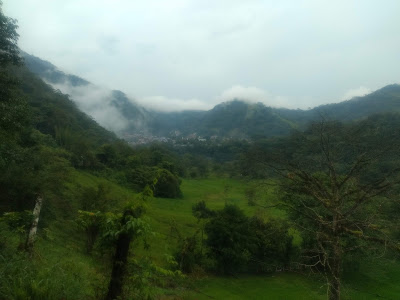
252	94
161	103
95	101
360	91
187	50
239	92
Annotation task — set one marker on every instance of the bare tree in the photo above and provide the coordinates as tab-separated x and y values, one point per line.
336	182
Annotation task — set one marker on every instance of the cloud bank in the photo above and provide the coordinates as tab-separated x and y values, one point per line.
254	95
357	92
239	92
165	104
96	102
171	52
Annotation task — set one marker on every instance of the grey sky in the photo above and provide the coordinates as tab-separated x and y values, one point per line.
194	54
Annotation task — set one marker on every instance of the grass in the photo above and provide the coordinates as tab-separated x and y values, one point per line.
167	213
373	278
216	192
61	253
278	286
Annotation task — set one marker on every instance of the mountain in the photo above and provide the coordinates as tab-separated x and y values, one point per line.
111	109
241	119
234	119
384	100
52	110
49	73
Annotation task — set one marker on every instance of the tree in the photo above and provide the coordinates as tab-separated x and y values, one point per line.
238	243
121	232
14	122
12	109
166	184
9	53
91	223
273	247
228	238
162	182
202	212
335	182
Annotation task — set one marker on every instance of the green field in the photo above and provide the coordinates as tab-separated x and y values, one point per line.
60	254
374	280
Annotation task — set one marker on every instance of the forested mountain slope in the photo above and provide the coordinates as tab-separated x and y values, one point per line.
53	111
384	100
111	109
246	120
235	119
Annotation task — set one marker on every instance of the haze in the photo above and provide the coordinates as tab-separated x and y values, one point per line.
174	55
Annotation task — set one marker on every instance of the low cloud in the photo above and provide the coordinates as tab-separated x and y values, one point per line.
96	102
361	91
165	104
247	94
254	95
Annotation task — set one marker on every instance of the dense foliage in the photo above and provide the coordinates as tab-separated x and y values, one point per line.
238	243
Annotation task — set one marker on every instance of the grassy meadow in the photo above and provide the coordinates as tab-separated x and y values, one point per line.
60	250
374	280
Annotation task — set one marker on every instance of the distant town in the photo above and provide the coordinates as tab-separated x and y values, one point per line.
174	138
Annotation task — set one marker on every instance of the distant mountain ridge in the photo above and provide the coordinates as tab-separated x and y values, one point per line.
126	112
49	72
232	119
241	119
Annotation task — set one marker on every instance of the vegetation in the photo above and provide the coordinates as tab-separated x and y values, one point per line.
335	198
83	215
236	119
241	244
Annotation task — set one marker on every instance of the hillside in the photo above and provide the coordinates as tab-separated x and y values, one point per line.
233	119
110	108
241	119
384	100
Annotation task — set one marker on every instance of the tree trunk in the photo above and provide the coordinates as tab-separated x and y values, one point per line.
119	263
334	282
32	232
335	266
91	233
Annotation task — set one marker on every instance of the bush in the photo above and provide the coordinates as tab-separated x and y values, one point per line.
162	182
273	248
228	238
167	185
241	244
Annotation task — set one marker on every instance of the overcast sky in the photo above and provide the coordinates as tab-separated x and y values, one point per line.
194	54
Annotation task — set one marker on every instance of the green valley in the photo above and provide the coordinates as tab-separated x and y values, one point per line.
102	198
